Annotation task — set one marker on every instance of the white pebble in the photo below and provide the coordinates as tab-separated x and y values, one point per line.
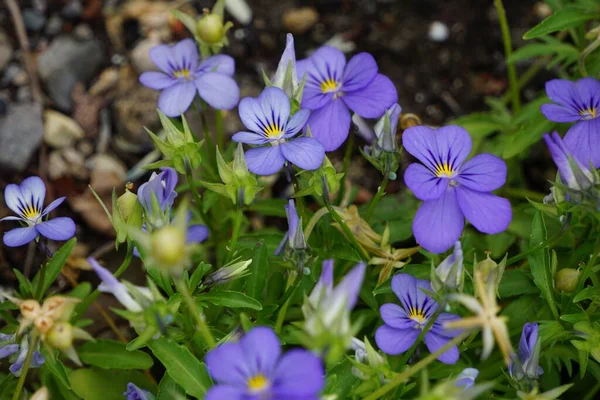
438	31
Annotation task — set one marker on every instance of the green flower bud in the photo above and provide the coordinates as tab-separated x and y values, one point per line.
60	336
566	280
168	246
490	270
210	28
126	203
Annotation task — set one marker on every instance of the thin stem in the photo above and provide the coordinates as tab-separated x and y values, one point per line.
512	71
219	127
196	194
237	224
347	232
402	377
586	52
378	196
313	221
40	286
21	381
196	314
347	158
210	145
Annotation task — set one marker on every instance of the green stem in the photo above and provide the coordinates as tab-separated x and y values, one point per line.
348	233
512	71
378	196
237	224
21	380
126	261
219	127
40	286
197	198
287	298
347	158
549	243
210	145
402	377
196	314
313	221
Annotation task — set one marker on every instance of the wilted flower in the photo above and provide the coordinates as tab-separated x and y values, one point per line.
8	348
27	201
525	364
268	119
334	87
404	324
466	379
255	368
41	394
449	274
183	75
577	102
135	393
452	189
486	318
574	172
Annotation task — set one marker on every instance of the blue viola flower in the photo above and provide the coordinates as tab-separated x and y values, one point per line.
577	102
27	201
466	379
10	349
268	119
525	365
135	393
573	173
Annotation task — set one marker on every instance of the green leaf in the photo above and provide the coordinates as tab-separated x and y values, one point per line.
229	298
563	50
258	271
57	369
269	207
527	135
169	389
539	261
182	366
53	268
100	384
479	125
516	282
110	354
568	17
24	285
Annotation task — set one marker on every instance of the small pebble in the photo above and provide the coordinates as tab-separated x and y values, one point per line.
438	31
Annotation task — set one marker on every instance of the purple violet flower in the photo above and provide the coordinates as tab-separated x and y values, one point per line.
577	102
334	87
452	189
526	363
183	75
268	119
10	348
573	173
466	379
404	324
254	368
135	393
27	201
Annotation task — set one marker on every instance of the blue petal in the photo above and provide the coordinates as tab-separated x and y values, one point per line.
176	99
20	236
296	123
395	341
218	90
264	160
62	228
304	152
330	125
53	205
197	233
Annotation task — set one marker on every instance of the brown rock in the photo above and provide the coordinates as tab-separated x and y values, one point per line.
300	20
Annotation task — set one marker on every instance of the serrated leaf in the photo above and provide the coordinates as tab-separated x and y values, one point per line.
568	17
110	354
229	298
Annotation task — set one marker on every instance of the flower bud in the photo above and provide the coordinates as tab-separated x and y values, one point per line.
210	28
60	336
228	273
168	246
566	280
126	203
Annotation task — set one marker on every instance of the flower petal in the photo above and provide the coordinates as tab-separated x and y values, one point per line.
372	100
408	290
394	316
438	223
327	64
8	350
299	375
485	211
62	228
220	63
275	106
330	125
261	349
438	325
449	145
359	72
185	55
304	152
484	172
588	89
197	233
313	97
435	342
14	199
423	183
583	140
162	57
156	80
252	115
395	341
249	137
227	365
218	90
563	92
33	192
264	160
19	236
297	122
222	392
558	113
176	99
53	205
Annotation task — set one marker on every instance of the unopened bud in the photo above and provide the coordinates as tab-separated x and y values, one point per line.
210	28
566	280
60	336
168	246
126	203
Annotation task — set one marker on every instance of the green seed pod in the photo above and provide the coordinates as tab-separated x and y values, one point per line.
566	280
126	203
168	246
60	336
210	28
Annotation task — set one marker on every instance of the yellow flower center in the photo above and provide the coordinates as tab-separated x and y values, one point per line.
591	112
444	170
417	315
182	73
273	130
257	383
329	86
31	213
